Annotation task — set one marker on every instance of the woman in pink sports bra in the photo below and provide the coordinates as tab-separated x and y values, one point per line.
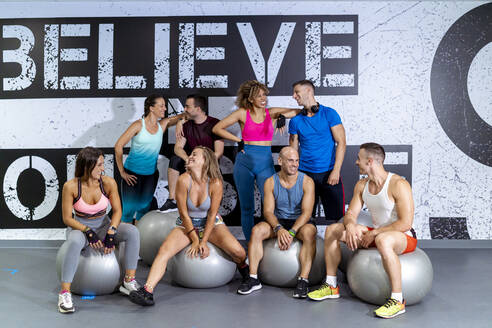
254	159
85	200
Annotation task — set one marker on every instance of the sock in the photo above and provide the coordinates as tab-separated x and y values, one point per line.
331	280
397	296
255	276
242	265
64	291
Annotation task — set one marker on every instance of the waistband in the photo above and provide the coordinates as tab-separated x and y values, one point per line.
257	148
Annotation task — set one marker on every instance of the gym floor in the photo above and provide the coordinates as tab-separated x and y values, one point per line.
461	296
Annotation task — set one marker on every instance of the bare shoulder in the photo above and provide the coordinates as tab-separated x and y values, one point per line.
215	183
307	181
109	182
71	185
185	177
398	182
361	184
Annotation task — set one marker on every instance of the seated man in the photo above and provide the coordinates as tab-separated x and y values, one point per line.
389	200
287	208
197	131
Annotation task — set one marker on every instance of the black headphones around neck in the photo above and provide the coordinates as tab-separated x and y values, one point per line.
314	109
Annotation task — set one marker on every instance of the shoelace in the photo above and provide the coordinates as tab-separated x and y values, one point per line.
67	298
390	302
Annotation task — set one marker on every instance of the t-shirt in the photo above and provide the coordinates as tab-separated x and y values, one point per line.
200	134
316	143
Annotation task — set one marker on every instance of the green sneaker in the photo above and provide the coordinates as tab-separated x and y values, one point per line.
390	309
324	292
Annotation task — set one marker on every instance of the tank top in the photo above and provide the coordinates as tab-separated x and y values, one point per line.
382	209
288	202
201	210
258	131
144	151
84	210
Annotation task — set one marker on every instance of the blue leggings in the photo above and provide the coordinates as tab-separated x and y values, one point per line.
255	163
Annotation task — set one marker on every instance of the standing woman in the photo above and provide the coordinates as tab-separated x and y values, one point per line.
254	158
88	195
198	195
139	174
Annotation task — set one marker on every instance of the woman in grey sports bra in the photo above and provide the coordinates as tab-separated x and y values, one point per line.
198	196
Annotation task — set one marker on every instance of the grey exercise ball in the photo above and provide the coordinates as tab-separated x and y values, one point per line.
213	271
281	268
364	218
368	280
154	227
97	273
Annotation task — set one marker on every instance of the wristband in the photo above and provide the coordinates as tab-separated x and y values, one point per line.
113	228
277	228
292	232
240	145
190	231
280	121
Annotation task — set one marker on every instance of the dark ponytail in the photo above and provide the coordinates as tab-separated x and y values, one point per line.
150	101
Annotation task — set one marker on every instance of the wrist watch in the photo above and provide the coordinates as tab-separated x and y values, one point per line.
113	228
277	228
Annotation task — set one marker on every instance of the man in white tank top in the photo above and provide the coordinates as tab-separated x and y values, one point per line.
390	202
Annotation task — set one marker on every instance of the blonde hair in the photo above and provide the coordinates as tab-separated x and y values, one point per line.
210	167
248	90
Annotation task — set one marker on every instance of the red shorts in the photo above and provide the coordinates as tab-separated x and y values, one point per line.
411	243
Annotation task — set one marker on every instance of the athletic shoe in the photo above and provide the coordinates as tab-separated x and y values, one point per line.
142	297
390	309
301	290
128	287
244	271
169	206
65	304
248	286
324	292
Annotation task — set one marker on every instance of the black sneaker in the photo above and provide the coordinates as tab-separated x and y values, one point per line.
142	297
248	286
244	271
169	206
301	290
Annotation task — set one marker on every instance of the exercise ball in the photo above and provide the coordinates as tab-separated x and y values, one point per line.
215	270
369	281
282	268
154	227
97	273
364	218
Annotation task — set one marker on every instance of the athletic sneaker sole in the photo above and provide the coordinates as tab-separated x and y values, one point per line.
299	296
169	210
139	301
257	287
124	290
72	310
391	316
324	297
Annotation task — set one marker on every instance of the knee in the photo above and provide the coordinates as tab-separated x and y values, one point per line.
238	254
258	232
384	243
307	233
76	239
334	231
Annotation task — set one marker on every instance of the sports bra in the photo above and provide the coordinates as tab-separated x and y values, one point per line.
258	131
86	211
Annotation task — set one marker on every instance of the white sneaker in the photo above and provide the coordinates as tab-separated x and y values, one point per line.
128	287
65	304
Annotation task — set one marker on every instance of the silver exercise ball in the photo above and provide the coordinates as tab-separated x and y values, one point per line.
213	271
364	218
369	281
97	273
282	268
154	227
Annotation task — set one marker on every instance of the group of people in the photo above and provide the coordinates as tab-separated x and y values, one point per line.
309	170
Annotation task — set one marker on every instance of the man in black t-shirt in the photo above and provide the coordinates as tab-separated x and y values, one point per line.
197	131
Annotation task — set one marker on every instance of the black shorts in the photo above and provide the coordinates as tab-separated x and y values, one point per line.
177	163
288	223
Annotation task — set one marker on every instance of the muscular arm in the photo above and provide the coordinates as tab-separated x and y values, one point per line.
338	133
355	205
269	203
275	112
68	196
307	203
181	196
112	190
125	138
294	141
220	128
215	199
402	193
179	148
171	121
218	148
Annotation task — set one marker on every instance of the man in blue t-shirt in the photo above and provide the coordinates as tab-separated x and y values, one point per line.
318	134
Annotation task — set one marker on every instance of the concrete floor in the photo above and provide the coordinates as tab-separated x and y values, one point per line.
460	297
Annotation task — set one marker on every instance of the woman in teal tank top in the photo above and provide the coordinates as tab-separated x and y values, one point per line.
139	174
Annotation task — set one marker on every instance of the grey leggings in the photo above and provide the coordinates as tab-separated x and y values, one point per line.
77	242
